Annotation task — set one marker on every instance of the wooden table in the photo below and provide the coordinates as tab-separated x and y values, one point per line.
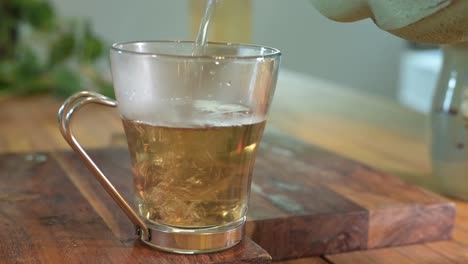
371	130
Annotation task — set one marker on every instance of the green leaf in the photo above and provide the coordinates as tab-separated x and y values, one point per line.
39	14
106	88
27	64
23	72
26	74
8	37
7	69
92	47
31	86
62	48
66	82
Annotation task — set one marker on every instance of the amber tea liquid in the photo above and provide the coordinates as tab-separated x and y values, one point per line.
197	175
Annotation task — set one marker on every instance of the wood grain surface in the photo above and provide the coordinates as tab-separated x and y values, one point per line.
306	201
371	130
46	219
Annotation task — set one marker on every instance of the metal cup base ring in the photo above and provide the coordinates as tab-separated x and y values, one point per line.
196	241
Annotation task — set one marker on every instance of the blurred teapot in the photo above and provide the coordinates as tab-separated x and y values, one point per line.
423	21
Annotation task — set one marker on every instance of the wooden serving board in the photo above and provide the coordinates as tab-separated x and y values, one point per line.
304	202
47	217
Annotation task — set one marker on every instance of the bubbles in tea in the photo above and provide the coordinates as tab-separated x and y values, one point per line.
195	174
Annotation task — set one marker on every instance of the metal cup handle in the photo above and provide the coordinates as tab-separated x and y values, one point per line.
65	114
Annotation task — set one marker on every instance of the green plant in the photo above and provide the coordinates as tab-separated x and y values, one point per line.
40	52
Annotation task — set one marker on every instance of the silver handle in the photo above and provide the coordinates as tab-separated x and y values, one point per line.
65	114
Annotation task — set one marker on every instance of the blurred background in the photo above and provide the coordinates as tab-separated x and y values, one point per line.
356	55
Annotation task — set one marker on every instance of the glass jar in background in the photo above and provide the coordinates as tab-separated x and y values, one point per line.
449	123
232	21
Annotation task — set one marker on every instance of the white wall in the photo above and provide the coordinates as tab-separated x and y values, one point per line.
356	55
124	20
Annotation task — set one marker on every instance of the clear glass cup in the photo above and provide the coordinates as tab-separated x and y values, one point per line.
193	124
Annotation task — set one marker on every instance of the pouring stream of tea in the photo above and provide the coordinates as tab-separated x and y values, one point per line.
201	41
202	36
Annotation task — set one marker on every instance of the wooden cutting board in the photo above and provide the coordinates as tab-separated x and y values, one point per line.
48	217
304	202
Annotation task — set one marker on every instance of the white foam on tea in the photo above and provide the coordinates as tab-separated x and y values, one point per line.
194	114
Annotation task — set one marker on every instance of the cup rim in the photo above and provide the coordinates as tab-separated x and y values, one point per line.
274	52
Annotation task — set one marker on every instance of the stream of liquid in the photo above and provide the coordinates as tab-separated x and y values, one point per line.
202	36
